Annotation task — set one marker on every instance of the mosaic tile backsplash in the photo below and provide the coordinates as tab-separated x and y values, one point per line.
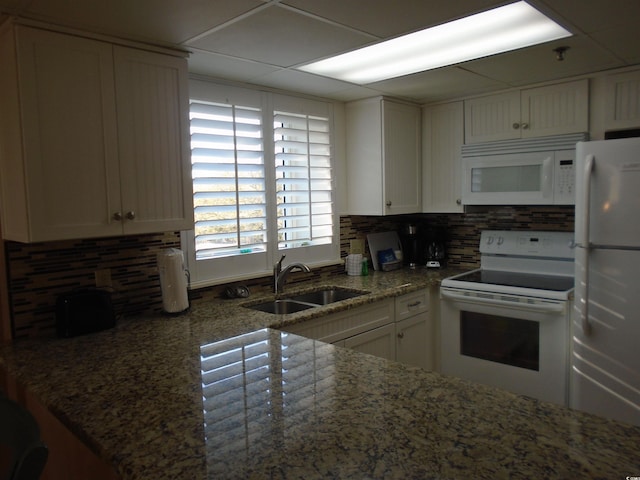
38	273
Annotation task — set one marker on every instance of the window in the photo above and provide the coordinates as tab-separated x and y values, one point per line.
262	182
228	179
303	180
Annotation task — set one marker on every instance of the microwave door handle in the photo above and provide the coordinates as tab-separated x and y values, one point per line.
543	308
547	181
586	243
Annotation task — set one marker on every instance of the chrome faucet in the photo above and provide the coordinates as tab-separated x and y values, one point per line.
280	274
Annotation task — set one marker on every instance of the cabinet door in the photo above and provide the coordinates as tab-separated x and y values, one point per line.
402	163
383	157
623	101
154	150
491	118
335	327
442	139
555	109
364	157
415	344
69	136
379	342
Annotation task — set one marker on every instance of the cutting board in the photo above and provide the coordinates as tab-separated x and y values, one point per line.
382	241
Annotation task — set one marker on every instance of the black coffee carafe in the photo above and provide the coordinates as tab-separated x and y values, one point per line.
434	249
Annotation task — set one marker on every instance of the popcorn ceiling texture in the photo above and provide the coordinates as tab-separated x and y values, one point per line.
39	272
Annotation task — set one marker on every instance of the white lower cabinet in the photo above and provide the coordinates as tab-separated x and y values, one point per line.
413	327
396	329
380	342
337	327
413	345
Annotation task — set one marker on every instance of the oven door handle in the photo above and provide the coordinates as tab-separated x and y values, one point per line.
543	308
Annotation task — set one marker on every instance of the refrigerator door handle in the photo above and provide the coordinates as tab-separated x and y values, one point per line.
586	243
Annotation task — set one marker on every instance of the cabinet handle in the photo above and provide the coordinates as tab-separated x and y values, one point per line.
525	126
131	215
516	126
401	335
458	201
388	203
117	216
414	304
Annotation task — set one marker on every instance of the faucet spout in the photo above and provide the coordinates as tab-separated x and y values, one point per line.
280	274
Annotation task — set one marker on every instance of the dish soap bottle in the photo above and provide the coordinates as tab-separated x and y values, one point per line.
365	267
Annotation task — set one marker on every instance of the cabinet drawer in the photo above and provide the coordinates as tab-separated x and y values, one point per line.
411	304
338	326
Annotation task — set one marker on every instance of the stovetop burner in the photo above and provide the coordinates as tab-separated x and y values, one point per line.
528	264
517	279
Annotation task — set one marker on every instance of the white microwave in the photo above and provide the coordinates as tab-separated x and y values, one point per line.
520	172
540	178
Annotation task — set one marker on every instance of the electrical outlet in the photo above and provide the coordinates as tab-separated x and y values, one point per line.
103	278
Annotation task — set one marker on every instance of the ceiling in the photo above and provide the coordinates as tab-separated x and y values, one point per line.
262	41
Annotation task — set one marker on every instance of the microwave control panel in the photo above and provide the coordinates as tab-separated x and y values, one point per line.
564	189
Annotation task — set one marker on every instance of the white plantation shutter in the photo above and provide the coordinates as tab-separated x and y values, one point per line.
228	179
303	180
262	182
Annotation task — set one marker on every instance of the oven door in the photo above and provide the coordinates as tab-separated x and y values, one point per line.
507	341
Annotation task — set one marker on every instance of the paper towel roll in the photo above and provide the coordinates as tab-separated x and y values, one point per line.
173	280
353	264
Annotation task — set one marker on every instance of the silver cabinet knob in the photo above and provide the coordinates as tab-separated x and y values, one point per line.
131	215
388	203
516	126
401	335
458	201
117	216
525	126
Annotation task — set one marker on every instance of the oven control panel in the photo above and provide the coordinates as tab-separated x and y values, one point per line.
527	243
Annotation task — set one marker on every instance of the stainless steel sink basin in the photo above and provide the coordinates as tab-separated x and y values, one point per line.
281	307
304	301
324	297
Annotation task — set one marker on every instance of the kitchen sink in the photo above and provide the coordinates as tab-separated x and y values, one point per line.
325	297
281	307
303	301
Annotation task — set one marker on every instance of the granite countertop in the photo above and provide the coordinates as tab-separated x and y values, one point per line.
220	393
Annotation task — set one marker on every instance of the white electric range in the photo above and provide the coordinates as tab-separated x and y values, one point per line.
507	323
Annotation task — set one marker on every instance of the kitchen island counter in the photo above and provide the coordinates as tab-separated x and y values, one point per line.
216	393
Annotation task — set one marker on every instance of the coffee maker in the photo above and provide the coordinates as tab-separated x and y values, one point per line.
433	250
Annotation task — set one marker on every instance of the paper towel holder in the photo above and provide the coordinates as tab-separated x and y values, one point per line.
174	280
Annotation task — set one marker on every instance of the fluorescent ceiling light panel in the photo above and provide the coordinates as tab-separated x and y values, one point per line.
499	30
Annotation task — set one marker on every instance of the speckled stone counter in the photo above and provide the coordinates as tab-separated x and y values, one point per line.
217	394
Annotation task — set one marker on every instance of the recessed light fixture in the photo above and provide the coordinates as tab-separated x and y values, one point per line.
499	30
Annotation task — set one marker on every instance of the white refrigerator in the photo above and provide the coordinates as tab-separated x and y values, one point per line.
605	350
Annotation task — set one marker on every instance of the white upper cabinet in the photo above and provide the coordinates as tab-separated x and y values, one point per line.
442	139
383	157
622	101
93	140
153	138
534	112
